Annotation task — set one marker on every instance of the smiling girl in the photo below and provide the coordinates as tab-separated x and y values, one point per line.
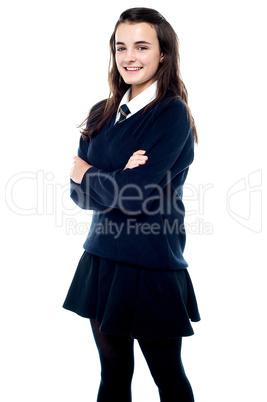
134	154
137	59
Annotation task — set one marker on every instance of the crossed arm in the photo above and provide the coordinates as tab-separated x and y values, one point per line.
169	149
80	166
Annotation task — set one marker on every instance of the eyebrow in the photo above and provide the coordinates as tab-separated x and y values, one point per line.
135	43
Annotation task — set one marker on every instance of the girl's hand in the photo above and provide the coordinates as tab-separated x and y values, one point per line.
78	169
137	158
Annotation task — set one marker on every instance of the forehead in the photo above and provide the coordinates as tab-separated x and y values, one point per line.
127	32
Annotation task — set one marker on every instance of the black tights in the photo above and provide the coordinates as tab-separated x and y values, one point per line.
117	365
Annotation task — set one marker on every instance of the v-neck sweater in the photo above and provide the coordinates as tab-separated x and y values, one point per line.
138	213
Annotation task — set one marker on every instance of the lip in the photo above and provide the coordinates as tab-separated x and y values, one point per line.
133	71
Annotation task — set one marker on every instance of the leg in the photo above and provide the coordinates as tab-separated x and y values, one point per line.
117	365
164	361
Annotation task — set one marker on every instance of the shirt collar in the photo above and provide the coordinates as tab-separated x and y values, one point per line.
141	100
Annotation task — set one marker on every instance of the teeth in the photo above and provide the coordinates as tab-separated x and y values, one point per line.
133	68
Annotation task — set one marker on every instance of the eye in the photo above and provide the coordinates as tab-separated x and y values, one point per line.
120	49
142	48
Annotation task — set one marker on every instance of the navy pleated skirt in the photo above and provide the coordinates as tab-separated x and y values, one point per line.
127	299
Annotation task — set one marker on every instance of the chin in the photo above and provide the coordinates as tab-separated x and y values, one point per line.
132	80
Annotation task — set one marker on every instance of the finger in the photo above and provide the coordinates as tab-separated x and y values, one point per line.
136	163
140	151
136	156
139	158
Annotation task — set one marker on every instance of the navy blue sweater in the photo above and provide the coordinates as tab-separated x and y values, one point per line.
138	213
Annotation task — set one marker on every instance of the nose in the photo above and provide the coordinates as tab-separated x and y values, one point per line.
129	56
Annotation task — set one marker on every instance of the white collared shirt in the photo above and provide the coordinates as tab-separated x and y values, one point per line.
140	101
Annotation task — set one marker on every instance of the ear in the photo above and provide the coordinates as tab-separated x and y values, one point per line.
161	58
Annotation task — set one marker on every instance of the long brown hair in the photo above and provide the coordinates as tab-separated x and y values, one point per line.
168	75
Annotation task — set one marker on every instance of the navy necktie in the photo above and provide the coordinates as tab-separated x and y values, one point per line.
124	111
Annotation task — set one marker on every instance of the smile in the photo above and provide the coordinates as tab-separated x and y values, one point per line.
133	68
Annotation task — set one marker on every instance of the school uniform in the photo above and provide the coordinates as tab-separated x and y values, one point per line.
132	277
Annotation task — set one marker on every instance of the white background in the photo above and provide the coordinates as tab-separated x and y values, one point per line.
53	69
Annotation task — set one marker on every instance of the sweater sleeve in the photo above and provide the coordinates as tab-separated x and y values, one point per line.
169	146
83	200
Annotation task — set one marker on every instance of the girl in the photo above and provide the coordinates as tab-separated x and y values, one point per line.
133	158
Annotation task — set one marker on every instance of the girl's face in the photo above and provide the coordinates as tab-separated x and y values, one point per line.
137	55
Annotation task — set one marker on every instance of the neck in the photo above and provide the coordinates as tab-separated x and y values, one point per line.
139	88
